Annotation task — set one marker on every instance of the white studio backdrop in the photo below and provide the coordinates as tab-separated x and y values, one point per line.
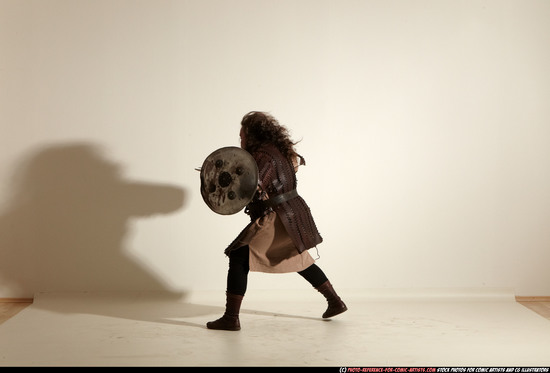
425	126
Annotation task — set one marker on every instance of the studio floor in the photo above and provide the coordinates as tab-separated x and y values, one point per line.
279	328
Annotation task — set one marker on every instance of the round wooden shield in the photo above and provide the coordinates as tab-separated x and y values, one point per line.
229	179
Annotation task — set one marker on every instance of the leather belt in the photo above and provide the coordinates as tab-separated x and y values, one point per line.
280	198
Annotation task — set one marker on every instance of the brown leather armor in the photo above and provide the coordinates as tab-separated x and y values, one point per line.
277	178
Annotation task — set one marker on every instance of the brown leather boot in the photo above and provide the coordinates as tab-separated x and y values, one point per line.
230	319
335	304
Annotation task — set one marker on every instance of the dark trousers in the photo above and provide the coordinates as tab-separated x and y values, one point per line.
237	275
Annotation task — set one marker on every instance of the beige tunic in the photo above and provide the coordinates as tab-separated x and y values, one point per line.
271	248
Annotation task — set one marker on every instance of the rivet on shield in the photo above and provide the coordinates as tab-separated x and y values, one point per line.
225	179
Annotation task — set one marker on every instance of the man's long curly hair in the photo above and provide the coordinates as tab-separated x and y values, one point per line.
262	128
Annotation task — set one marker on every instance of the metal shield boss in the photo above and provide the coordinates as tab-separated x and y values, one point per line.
229	179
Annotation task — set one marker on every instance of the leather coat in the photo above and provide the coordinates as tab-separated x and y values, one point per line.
277	177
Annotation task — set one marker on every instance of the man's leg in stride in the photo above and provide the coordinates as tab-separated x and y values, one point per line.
317	278
237	279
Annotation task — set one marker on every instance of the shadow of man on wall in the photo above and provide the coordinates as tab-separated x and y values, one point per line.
65	224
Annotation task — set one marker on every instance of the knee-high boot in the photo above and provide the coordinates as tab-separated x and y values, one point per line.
335	305
230	319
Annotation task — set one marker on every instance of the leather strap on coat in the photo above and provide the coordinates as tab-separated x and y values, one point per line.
280	198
